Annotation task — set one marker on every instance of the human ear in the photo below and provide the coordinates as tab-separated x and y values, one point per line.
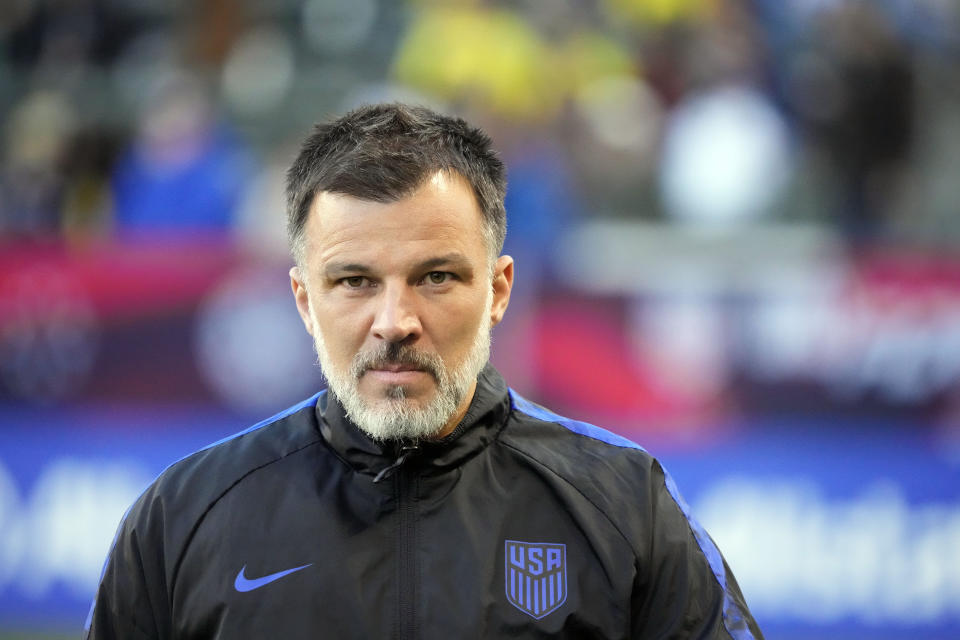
502	284
299	286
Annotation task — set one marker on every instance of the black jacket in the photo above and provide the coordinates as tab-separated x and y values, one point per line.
520	524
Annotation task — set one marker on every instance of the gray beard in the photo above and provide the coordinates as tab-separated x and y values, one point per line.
393	416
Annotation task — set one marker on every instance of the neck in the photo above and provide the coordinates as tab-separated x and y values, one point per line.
458	415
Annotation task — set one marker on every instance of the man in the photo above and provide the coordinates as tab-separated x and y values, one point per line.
418	497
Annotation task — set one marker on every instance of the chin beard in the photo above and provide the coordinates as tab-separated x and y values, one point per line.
393	416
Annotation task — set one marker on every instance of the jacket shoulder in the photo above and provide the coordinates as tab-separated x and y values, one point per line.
190	486
212	470
134	591
558	438
605	468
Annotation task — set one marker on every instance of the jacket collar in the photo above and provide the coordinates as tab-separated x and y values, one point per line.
481	424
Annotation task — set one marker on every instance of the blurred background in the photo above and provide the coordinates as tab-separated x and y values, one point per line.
737	233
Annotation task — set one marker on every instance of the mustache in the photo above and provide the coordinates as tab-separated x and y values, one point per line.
395	353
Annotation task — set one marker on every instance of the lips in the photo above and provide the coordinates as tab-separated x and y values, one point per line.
397	364
397	375
395	368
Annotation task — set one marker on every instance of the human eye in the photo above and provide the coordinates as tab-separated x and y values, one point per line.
438	277
354	282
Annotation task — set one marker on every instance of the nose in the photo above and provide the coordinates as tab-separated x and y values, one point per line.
396	318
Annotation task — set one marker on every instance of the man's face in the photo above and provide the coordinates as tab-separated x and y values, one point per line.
400	302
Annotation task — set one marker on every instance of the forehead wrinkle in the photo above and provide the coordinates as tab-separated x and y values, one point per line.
337	267
339	230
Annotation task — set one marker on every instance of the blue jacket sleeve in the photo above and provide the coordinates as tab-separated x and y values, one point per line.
684	587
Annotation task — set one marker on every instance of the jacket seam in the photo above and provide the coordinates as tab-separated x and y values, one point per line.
578	490
196	525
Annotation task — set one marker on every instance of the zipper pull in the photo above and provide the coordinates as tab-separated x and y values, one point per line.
406	451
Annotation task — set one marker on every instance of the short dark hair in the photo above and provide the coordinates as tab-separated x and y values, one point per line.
383	153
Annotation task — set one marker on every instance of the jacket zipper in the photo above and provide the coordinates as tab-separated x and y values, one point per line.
405	452
407	584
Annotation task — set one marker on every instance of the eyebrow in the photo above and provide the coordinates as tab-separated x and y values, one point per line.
453	260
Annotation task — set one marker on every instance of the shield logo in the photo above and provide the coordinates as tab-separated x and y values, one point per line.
536	576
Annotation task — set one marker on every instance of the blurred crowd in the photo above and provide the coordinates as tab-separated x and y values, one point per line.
128	116
702	185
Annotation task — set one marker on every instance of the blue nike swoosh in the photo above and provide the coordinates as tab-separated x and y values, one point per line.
244	584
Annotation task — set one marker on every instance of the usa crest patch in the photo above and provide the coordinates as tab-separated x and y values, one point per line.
536	576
